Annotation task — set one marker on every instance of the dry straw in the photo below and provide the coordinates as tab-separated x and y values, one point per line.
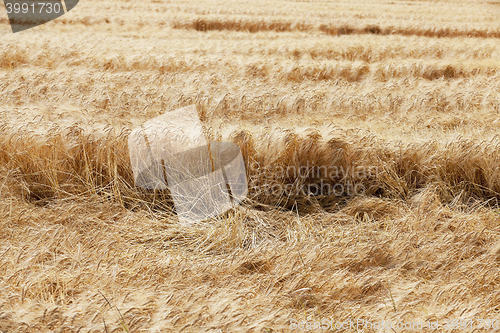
302	85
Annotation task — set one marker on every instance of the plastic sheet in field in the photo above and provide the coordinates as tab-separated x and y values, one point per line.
170	151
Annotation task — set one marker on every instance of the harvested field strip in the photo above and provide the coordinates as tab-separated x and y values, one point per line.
87	21
435	32
241	25
469	109
369	49
282	70
253	26
364	50
308	70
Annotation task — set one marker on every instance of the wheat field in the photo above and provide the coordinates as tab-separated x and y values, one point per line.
396	100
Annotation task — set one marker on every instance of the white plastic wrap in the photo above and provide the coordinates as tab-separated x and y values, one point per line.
170	151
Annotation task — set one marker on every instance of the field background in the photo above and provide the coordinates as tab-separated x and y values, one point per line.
408	88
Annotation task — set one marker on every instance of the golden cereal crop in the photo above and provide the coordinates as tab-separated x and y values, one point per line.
399	98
